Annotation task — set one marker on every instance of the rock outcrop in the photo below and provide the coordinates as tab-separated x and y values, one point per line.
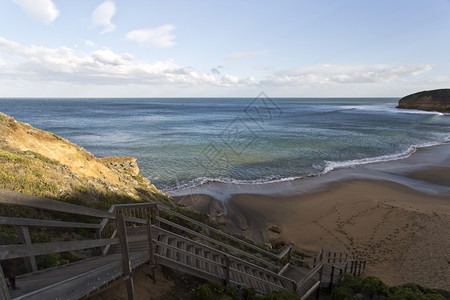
435	100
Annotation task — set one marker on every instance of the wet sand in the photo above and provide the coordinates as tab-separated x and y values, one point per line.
395	214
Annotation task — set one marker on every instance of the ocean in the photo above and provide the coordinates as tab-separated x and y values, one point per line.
185	142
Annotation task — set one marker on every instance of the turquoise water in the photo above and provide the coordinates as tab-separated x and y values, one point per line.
187	141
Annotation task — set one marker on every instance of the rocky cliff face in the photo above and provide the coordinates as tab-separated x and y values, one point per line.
435	100
41	163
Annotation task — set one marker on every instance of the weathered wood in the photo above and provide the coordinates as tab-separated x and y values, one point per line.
17	251
45	223
228	236
284	252
4	293
286	266
211	240
10	197
170	263
24	236
233	259
331	278
311	291
126	264
151	254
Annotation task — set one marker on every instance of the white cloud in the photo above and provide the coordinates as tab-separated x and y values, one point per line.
160	37
106	56
102	16
89	43
244	55
101	67
41	10
344	74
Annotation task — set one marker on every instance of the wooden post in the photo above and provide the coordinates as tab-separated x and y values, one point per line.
227	270
320	280
290	255
157	216
24	236
4	293
126	264
151	254
331	278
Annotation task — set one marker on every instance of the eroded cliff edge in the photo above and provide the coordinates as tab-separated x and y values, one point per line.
41	163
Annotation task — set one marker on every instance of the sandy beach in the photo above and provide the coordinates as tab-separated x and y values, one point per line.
394	214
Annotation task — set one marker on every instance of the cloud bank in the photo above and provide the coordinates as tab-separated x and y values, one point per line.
101	67
328	75
41	10
105	67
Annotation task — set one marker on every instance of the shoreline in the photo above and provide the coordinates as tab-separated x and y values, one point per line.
395	214
393	170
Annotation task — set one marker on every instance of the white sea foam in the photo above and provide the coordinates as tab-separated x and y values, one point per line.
391	108
330	166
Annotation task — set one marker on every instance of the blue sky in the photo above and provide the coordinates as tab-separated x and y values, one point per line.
326	48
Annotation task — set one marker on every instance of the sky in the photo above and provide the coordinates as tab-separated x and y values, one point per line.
143	48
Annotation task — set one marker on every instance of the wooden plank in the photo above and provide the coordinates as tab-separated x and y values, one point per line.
24	235
17	251
151	254
4	293
126	264
10	197
170	263
77	286
220	233
233	258
45	223
310	291
284	252
254	278
135	205
192	255
217	242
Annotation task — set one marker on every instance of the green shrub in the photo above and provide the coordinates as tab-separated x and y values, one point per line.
248	294
202	292
413	292
281	295
212	291
374	286
342	293
351	282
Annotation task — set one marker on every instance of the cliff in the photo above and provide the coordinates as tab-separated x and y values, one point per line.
37	162
435	100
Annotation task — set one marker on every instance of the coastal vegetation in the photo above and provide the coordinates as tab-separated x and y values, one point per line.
371	287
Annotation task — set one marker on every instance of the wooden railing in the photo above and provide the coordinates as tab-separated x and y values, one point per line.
158	215
29	250
311	282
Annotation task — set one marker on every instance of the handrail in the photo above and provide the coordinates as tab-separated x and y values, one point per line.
234	258
318	257
211	240
26	250
228	236
310	274
15	198
45	223
287	250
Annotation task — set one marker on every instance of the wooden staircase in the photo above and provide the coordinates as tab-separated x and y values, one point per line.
133	234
